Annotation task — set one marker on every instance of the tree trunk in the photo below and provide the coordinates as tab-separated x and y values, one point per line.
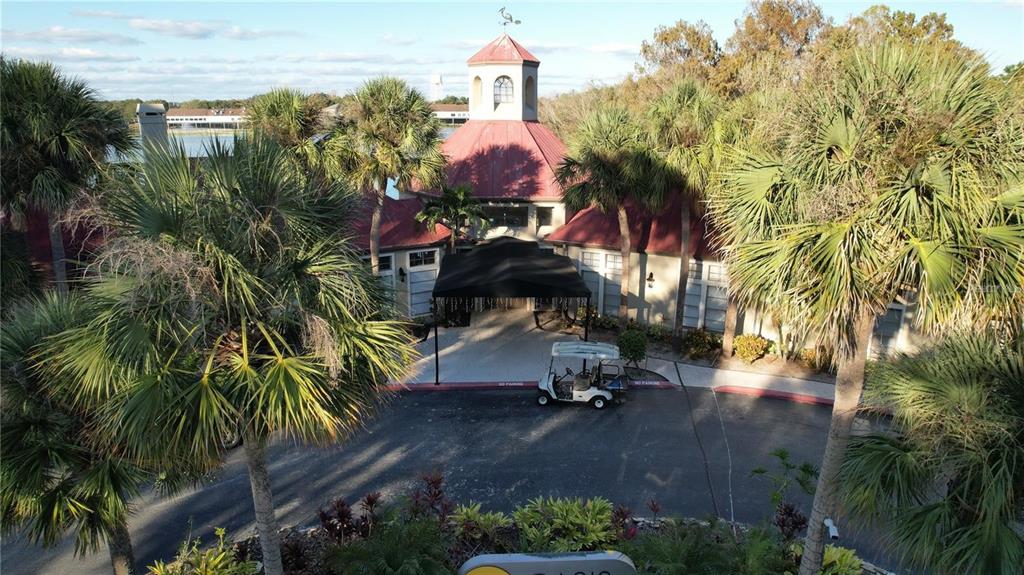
378	212
849	385
60	272
624	278
731	316
263	502
119	543
684	276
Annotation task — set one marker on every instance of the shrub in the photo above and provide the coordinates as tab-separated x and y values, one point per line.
789	520
565	524
701	344
836	561
394	548
429	499
751	348
471	523
191	560
633	345
682	549
659	332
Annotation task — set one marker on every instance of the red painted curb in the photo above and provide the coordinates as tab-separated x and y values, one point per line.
477	385
773	394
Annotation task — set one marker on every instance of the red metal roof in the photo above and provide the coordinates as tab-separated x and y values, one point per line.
649	233
505	159
503	50
399	228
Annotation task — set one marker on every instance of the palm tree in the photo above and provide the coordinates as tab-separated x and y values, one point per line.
454	209
56	135
611	165
685	125
226	302
292	119
898	181
391	134
59	472
948	477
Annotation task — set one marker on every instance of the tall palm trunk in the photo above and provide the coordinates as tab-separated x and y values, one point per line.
731	317
849	385
263	502
624	278
122	557
378	213
60	272
684	275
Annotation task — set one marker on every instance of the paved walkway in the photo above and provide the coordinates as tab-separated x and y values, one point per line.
506	349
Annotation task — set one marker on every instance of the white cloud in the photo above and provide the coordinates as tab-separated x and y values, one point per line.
68	54
191	29
99	14
542	46
61	34
466	44
615	49
194	29
392	40
239	33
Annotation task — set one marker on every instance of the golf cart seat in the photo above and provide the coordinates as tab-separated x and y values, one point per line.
581	382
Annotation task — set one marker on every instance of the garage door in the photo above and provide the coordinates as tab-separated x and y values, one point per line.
423	268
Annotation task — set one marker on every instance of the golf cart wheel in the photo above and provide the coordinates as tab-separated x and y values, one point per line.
543	399
599	403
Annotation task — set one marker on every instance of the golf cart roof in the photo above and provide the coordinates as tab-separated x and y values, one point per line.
584	350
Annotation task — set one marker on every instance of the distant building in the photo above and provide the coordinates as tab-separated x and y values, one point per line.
451	114
206	118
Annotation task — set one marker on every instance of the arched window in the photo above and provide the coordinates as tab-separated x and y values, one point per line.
503	90
478	91
530	93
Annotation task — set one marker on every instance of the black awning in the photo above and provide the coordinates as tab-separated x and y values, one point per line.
509	268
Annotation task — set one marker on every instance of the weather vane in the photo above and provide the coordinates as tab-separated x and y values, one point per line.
508	18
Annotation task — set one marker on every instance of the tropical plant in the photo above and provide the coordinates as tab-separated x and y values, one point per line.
701	344
60	471
947	477
751	347
227	302
682	549
611	166
557	524
472	523
684	124
292	119
454	209
392	134
902	178
396	548
193	560
55	135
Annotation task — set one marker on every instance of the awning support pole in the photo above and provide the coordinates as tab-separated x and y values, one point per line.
437	357
586	321
586	328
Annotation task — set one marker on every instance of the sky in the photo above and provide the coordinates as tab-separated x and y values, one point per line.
182	50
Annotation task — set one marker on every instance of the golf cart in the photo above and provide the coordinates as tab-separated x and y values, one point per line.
598	384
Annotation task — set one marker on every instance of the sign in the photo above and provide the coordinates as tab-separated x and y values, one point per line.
583	563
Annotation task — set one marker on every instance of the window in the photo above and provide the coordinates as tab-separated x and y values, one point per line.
384	264
530	94
503	90
424	258
478	91
507	216
544	216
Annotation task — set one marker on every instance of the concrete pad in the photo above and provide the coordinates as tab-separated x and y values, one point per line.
506	349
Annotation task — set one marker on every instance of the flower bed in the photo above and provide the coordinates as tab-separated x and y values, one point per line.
429	533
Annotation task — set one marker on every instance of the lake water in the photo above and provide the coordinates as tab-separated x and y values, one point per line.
196	142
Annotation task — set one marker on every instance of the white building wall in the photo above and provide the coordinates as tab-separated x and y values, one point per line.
481	92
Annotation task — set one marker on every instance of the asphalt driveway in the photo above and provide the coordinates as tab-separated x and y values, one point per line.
498	448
